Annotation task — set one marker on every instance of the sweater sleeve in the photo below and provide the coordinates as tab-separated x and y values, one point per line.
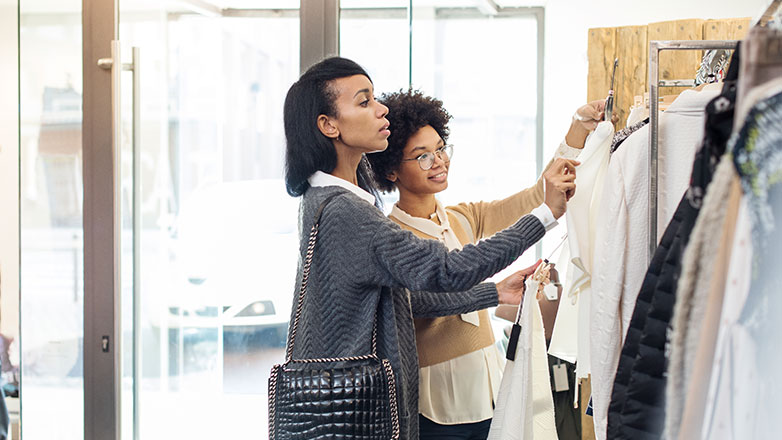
437	304
399	259
487	218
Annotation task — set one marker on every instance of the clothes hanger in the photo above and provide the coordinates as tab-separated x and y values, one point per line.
713	66
770	14
609	108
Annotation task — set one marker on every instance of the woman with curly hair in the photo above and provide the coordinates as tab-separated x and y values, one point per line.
460	366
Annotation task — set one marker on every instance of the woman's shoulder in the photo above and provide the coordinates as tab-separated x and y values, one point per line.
341	203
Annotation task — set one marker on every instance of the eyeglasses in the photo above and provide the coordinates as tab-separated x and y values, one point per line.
426	160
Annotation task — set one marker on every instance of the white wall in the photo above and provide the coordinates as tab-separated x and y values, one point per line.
567	23
9	171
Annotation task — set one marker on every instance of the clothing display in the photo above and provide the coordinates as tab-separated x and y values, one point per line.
693	288
637	400
697	271
752	345
732	271
620	253
683	342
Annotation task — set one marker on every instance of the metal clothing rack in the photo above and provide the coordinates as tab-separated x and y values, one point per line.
655	47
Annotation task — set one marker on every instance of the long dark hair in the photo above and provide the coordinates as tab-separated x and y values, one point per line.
307	149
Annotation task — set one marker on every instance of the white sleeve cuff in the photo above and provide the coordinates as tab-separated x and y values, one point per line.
544	214
565	151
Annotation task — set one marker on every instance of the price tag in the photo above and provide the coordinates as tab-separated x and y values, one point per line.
551	291
560	377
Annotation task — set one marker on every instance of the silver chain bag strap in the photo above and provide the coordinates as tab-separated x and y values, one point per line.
344	397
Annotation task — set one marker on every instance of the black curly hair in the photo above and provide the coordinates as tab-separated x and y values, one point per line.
408	112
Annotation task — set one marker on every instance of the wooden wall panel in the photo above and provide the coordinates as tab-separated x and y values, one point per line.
728	29
587	423
679	64
632	49
600	53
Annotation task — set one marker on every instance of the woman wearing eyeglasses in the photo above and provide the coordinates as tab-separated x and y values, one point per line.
460	367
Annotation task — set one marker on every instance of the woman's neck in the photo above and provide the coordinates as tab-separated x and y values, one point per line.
347	163
417	205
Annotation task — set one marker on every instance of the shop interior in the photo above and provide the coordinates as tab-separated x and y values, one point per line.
142	152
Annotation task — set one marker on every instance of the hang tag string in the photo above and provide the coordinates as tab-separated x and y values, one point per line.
546	260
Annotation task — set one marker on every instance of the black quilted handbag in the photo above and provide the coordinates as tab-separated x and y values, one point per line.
345	398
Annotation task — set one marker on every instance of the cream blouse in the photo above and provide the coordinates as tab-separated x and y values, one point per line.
441	398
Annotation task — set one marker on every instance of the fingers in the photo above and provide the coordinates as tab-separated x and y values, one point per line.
591	110
568	177
569	188
561	164
590	125
599	105
591	114
529	270
569	165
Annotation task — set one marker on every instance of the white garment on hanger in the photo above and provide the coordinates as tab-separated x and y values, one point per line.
569	333
717	413
637	114
525	405
564	337
621	240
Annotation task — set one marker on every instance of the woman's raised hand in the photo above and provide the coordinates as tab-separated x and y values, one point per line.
560	185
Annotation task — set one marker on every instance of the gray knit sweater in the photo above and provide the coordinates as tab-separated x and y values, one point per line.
363	261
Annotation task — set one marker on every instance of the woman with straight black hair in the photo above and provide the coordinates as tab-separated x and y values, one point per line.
363	263
307	149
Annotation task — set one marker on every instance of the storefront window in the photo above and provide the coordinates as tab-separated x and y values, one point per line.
50	164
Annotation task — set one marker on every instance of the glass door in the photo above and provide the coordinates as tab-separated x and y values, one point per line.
209	232
51	220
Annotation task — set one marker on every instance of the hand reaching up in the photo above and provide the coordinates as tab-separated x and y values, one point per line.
560	185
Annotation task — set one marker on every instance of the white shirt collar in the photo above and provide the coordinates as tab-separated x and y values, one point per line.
321	179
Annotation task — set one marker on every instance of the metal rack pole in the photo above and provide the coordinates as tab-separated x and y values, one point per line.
655	47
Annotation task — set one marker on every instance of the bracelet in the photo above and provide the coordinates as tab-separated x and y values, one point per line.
577	117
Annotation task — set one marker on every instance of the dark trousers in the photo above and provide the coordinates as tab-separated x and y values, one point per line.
429	430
